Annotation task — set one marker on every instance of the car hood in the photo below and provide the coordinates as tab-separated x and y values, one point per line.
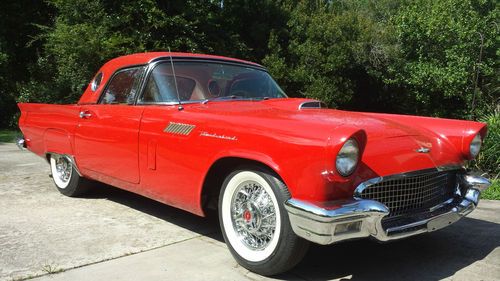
274	113
390	139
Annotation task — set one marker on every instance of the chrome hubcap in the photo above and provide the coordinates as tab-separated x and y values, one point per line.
63	169
253	215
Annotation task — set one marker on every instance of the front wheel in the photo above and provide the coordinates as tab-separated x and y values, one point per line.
66	178
255	224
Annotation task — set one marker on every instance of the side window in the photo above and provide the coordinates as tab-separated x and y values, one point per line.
96	82
123	87
161	86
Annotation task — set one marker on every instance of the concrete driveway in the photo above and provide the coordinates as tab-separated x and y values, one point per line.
116	235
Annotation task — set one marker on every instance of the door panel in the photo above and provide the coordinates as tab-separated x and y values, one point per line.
171	156
107	136
106	142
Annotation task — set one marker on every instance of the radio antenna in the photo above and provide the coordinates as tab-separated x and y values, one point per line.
175	80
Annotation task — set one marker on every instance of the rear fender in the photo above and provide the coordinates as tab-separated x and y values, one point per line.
58	141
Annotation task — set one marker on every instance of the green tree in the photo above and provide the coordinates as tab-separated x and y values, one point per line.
17	28
7	105
86	33
250	23
444	44
335	51
419	57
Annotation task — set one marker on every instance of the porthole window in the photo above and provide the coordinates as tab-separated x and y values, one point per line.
96	82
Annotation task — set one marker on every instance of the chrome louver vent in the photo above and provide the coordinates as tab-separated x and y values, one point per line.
312	104
179	128
412	194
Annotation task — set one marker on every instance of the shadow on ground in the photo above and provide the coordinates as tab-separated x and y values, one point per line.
432	256
208	226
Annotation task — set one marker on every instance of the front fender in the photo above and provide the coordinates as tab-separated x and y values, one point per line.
249	155
304	178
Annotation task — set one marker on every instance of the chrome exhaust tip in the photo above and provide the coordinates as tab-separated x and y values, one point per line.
21	143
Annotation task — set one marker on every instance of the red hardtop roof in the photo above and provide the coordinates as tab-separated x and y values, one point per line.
90	97
143	58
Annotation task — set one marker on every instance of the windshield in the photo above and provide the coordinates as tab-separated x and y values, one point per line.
198	81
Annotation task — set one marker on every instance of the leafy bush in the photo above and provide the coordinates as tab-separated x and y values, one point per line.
424	57
8	135
489	159
443	44
492	193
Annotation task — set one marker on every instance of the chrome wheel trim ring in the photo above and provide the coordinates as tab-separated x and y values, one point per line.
253	236
61	169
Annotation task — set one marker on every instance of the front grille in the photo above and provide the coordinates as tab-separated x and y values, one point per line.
394	222
412	194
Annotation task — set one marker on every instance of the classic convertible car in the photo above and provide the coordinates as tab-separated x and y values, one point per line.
202	132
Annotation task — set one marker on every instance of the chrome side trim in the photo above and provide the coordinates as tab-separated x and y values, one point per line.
169	102
317	222
312	105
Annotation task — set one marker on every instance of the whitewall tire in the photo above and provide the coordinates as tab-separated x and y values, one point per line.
255	224
66	178
61	169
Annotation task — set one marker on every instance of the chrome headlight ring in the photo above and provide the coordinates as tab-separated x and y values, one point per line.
475	146
347	158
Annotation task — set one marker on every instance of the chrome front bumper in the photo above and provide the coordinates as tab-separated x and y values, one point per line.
335	221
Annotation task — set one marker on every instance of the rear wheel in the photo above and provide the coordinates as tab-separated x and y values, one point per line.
65	177
255	224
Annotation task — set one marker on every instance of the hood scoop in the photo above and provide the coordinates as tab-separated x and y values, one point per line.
314	104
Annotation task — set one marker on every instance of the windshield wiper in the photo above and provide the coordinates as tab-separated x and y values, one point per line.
233	97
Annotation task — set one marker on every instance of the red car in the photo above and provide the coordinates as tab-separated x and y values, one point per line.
203	132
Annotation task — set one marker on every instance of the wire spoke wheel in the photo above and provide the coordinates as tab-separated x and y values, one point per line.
253	215
66	177
255	224
62	169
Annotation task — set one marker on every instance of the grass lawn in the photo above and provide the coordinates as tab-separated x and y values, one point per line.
493	192
8	135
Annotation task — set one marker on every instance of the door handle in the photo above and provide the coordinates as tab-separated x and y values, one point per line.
85	114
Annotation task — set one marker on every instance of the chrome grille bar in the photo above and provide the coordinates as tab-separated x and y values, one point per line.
411	194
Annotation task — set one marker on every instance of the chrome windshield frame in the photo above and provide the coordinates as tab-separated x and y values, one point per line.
153	63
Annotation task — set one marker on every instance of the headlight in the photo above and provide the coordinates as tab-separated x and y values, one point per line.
475	146
348	157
